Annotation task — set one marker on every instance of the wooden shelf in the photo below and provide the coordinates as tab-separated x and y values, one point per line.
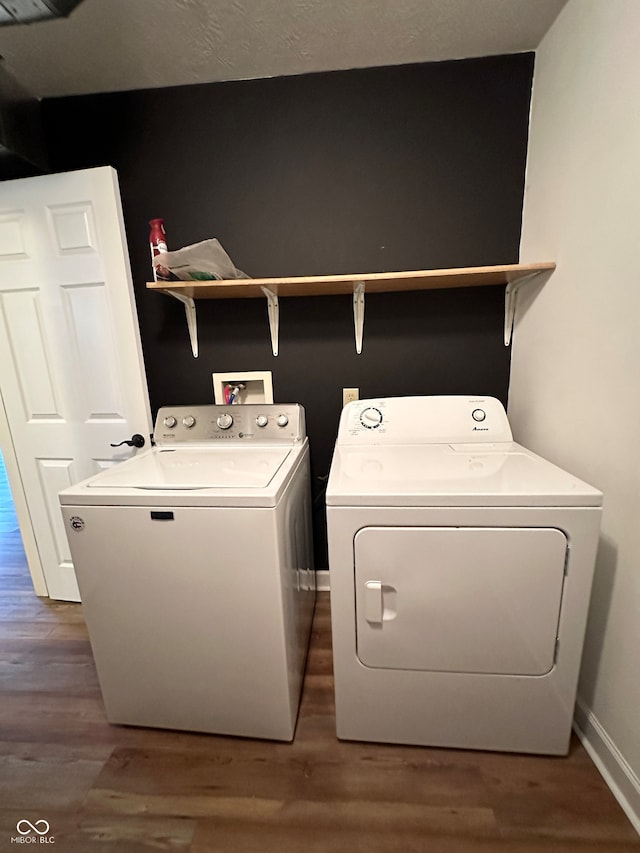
330	285
507	275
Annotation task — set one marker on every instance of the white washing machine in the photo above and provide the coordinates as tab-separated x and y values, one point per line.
461	567
194	563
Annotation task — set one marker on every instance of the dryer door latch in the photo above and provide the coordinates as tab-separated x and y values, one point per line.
373	608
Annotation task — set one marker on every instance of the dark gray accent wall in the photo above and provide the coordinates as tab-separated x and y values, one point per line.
22	144
411	167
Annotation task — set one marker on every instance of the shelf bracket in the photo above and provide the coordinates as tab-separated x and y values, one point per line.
358	313
190	311
273	310
510	297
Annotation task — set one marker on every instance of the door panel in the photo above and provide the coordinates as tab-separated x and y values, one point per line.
93	342
72	377
459	599
56	475
12	243
73	228
24	323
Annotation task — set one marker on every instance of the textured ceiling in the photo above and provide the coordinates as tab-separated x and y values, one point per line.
115	45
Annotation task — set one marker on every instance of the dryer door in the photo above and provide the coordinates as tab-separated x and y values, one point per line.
459	599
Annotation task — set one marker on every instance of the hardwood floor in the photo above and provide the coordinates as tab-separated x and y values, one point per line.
112	788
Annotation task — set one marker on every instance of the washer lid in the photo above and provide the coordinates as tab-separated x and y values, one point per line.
191	468
500	474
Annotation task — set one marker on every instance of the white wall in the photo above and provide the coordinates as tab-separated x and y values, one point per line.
575	376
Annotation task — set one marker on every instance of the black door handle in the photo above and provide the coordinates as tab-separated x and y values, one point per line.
136	440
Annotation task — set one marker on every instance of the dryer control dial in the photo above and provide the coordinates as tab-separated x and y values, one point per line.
189	421
478	415
224	421
170	422
262	420
282	420
371	418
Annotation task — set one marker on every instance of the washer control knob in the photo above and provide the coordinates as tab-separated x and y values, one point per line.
371	418
282	420
189	421
262	420
478	415
170	421
224	421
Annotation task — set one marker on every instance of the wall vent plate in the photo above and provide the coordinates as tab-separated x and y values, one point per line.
258	386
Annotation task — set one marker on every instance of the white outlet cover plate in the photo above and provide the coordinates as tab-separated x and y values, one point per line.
350	395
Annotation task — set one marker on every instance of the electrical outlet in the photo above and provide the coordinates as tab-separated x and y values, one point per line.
349	395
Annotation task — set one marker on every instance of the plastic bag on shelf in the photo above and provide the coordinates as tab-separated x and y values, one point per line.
204	261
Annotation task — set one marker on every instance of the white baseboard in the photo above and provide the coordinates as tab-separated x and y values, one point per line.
322	580
613	766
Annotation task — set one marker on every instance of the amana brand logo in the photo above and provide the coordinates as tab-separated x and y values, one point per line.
76	522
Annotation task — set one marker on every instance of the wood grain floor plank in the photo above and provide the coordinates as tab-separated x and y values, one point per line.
586	816
55	673
132	835
195	782
38	778
221	838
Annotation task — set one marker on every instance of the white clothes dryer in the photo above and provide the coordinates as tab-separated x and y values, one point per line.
194	563
460	566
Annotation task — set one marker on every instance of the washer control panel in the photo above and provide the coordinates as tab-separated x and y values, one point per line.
263	422
424	420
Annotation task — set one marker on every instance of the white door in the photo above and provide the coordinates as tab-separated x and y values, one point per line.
459	599
71	371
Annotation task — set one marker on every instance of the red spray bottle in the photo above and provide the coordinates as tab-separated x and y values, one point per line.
157	241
